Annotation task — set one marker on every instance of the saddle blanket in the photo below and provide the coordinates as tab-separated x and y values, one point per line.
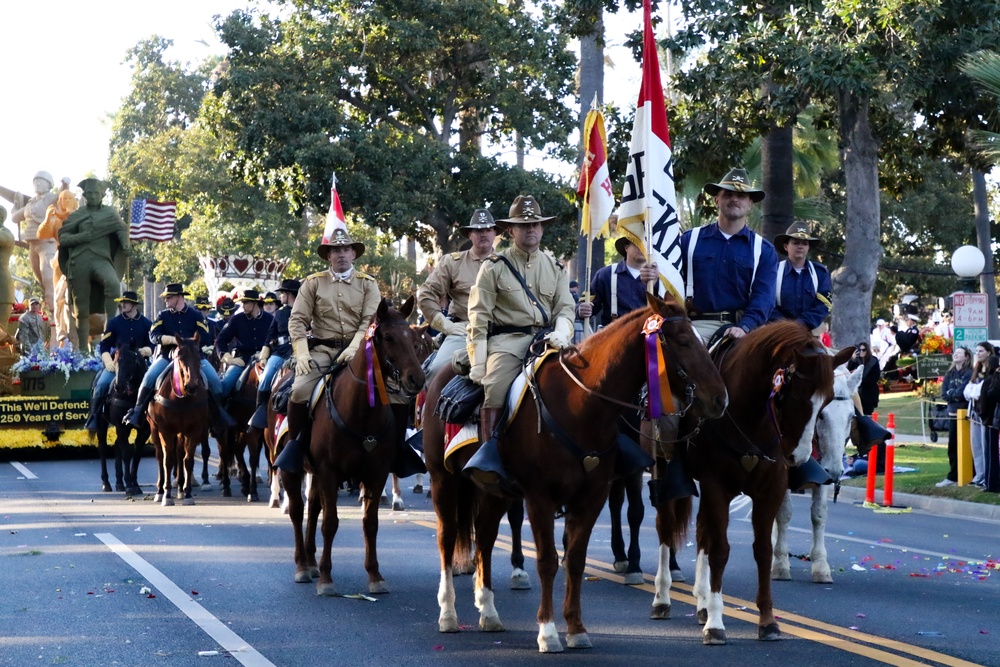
460	436
280	426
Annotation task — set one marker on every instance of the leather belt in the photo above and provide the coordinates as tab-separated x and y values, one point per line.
507	329
282	340
338	343
725	316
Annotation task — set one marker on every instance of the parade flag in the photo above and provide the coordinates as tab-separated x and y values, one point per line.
335	216
648	212
152	220
595	183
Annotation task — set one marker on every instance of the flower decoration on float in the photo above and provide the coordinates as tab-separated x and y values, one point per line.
61	360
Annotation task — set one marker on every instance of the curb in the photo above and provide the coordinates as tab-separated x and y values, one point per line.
933	504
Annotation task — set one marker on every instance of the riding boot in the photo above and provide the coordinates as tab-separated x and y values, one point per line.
97	403
407	462
135	417
221	420
486	467
291	457
259	419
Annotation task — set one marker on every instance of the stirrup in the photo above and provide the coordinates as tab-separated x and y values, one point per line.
407	462
259	419
486	469
290	459
675	482
808	475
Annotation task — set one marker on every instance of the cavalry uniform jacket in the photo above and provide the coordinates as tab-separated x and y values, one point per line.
244	334
123	331
186	323
801	299
453	277
724	278
278	338
335	309
631	292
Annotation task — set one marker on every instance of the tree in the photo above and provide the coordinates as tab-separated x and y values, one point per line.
393	97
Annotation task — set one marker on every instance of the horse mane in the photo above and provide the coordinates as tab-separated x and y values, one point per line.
774	345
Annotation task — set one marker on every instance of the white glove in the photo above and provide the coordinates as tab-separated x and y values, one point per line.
168	340
146	351
207	350
232	360
347	355
562	335
265	352
303	360
447	327
477	357
109	363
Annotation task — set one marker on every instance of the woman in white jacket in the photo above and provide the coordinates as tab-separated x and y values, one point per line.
977	428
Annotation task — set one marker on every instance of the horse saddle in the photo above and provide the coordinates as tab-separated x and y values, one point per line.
281	394
460	400
243	378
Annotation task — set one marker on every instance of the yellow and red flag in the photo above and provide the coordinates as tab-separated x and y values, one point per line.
595	182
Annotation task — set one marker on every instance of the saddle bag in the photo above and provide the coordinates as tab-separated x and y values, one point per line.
460	400
281	395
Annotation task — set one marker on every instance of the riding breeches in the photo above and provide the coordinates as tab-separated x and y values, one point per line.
504	361
160	364
303	385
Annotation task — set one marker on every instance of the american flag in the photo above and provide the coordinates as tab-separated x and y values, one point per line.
152	220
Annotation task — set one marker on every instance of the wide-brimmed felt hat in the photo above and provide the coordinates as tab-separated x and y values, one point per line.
621	244
797	230
83	184
202	303
524	210
289	285
128	295
226	306
270	297
481	219
737	180
174	289
250	295
340	238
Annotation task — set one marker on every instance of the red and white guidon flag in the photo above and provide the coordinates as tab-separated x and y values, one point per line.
335	217
595	182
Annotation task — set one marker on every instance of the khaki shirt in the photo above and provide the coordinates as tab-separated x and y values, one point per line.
498	297
334	308
453	277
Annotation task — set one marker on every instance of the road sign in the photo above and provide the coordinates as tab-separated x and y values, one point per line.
970	336
970	311
931	366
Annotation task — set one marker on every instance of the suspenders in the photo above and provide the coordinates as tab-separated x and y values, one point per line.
758	243
781	274
614	294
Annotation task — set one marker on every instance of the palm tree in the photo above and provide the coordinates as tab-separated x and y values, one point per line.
984	68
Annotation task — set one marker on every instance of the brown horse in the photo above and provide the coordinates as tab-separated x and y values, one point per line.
583	393
779	377
355	437
240	439
178	419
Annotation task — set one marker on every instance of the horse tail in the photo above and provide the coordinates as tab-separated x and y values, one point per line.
466	510
675	513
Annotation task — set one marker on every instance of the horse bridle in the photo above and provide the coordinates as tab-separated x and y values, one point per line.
392	378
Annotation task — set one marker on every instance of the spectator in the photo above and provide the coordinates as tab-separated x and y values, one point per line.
868	391
972	392
943	327
31	327
989	409
952	391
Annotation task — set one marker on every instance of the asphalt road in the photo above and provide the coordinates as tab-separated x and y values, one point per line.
89	578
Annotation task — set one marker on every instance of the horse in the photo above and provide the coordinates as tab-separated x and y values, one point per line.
131	366
355	435
241	438
178	419
578	392
779	378
833	429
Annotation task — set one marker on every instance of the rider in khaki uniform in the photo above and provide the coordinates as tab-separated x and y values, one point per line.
338	304
503	319
451	280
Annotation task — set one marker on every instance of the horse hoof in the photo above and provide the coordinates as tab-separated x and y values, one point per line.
397	506
158	497
314	572
119	487
634	579
167	502
713	637
383	501
419	488
661	612
378	587
227	493
187	501
274	504
549	643
578	641
133	491
253	498
326	590
490	624
106	487
781	574
303	577
702	616
677	575
822	578
448	623
769	633
519	580
206	486
621	566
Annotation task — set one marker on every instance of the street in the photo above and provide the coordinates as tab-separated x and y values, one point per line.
91	578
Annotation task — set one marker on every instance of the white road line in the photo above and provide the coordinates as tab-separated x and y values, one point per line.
213	627
892	546
23	470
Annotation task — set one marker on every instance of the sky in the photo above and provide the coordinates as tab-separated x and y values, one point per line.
65	74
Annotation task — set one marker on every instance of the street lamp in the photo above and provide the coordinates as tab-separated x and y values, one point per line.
968	262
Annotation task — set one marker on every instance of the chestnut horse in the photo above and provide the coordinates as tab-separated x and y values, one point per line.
355	436
178	419
584	390
241	439
779	377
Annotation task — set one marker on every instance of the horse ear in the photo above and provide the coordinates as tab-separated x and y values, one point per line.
854	380
406	308
843	356
655	302
383	310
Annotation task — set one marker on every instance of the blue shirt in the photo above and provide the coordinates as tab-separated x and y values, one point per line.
631	292
245	334
186	323
798	295
123	331
723	270
279	329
